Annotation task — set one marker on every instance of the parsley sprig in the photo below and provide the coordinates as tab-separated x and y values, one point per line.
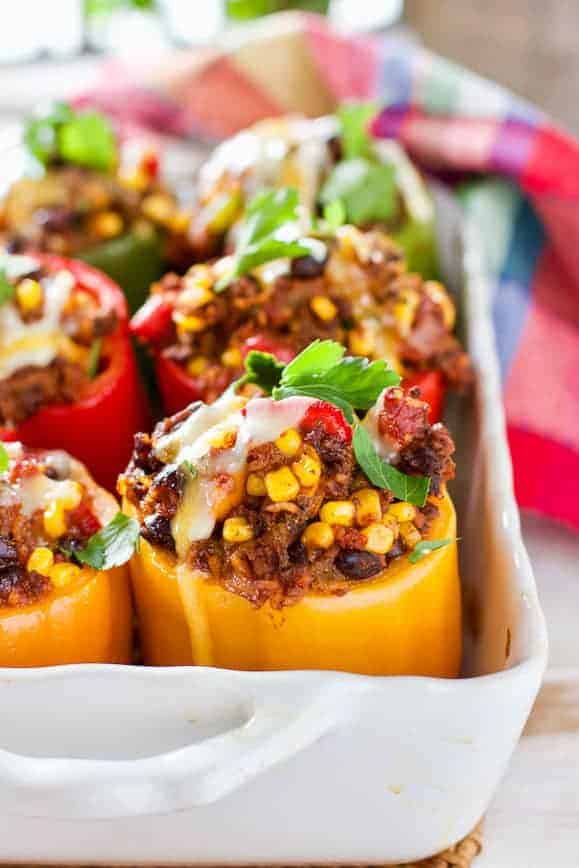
269	231
7	290
83	138
323	371
112	546
365	186
425	546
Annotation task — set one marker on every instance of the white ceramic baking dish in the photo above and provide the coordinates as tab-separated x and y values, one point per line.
198	765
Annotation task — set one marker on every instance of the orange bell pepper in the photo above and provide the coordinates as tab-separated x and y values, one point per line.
86	621
406	621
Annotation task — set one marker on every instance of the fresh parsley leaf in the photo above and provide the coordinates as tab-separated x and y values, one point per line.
88	140
321	371
367	190
4	458
318	357
265	233
425	546
263	369
83	138
354	119
40	133
111	546
414	489
6	289
335	214
94	355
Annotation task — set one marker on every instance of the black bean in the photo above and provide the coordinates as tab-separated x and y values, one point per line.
298	554
307	267
156	529
356	564
8	554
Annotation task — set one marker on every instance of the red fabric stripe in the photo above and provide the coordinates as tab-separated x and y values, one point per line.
546	476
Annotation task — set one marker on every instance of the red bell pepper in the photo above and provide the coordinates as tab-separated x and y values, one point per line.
331	418
432	387
98	428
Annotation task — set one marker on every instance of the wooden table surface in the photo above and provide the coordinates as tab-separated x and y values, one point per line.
534	819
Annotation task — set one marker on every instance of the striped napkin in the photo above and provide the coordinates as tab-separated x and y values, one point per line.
522	189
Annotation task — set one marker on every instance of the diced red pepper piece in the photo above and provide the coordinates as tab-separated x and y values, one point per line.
153	322
432	387
264	344
332	419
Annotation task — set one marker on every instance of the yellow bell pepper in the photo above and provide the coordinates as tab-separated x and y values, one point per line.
85	620
406	621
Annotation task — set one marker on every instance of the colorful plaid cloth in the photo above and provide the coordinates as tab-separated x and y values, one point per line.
525	201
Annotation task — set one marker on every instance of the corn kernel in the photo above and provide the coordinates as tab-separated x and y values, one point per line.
187	324
368	508
409	534
180	221
138	181
232	358
289	442
63	574
255	485
197	365
361	342
196	294
323	308
308	468
224	439
440	296
158	207
73	352
40	561
281	485
348	238
402	511
378	539
107	224
53	520
404	311
338	512
29	295
318	535
236	530
71	495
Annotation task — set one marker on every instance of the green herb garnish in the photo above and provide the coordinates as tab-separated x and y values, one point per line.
4	458
94	356
266	234
190	468
413	489
82	138
425	546
321	371
112	546
6	289
364	185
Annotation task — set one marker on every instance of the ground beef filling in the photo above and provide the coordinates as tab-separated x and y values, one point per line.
33	559
359	295
83	321
324	536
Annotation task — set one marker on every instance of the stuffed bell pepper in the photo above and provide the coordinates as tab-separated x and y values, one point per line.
68	378
276	294
64	597
293	531
335	165
85	198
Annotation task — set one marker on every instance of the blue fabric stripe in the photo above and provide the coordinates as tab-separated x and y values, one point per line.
514	288
395	77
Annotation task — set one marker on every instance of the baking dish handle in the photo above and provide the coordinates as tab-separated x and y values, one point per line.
275	729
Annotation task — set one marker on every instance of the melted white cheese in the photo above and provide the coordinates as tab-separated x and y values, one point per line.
386	448
35	343
258	421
